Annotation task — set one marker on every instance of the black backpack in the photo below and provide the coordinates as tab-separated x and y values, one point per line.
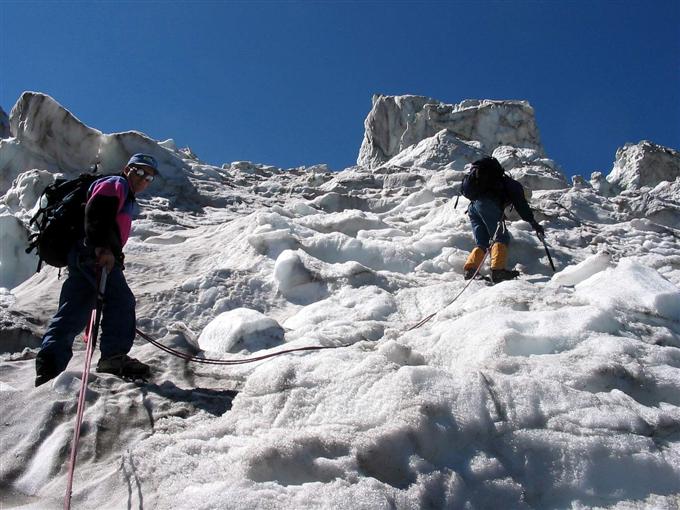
60	219
485	178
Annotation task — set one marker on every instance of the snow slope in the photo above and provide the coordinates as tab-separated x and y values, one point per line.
551	391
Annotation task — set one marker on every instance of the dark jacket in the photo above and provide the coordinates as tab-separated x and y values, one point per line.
109	211
513	193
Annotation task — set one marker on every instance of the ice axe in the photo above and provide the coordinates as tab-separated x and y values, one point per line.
541	236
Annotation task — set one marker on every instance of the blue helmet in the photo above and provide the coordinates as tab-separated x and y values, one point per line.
146	160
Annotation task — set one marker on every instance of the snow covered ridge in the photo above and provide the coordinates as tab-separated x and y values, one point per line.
551	391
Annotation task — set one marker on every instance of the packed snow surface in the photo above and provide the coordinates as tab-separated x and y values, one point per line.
556	390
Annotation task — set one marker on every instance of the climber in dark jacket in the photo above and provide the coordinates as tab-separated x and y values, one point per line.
490	191
109	211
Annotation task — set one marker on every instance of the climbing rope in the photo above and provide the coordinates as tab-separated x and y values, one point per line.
500	228
426	319
91	339
190	357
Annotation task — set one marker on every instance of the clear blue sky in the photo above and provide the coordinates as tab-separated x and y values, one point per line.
290	83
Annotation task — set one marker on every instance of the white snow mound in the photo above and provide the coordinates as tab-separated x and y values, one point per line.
240	329
632	286
575	274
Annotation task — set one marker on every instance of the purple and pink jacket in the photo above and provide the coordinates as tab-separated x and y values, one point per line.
109	211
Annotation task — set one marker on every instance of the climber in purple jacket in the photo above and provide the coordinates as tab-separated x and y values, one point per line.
109	211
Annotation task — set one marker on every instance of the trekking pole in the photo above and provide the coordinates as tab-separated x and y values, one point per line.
90	339
545	245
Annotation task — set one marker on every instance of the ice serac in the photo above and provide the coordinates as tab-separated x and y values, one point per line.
600	184
531	168
644	164
394	123
443	151
4	124
49	137
398	122
16	209
15	265
48	133
661	204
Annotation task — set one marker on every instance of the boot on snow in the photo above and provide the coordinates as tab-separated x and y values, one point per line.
473	261
123	365
501	275
45	370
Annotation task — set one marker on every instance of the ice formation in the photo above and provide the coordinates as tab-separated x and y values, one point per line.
551	391
4	124
644	164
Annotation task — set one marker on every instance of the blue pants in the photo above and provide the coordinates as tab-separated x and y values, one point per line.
485	215
77	299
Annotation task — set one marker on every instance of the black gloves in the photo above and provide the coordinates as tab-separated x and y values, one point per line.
540	231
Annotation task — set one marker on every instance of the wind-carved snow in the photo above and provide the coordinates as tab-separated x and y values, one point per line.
551	391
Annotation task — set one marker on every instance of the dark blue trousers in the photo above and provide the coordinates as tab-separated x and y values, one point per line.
77	299
485	215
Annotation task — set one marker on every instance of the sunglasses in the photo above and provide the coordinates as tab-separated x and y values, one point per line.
142	173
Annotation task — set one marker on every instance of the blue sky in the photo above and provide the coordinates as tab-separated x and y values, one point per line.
290	83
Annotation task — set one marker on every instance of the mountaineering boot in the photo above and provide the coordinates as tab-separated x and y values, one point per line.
43	377
473	261
500	275
499	257
123	365
44	370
